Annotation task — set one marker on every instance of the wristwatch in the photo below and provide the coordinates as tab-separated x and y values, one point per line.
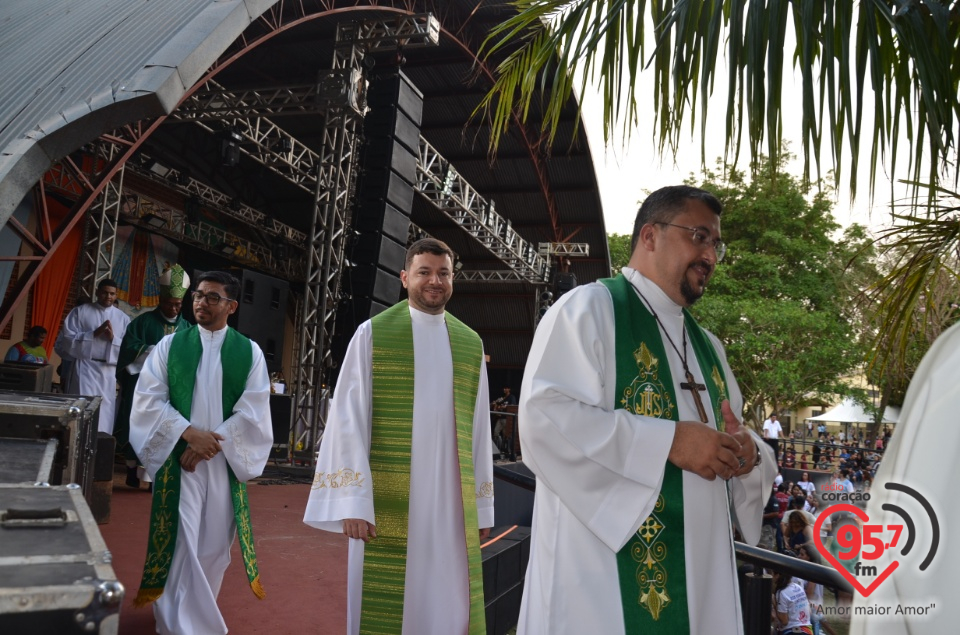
757	464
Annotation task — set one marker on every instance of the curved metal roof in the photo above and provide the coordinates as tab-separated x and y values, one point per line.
75	70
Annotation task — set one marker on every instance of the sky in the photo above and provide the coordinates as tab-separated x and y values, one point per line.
625	173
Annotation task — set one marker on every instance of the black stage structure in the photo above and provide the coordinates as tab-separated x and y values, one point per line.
301	142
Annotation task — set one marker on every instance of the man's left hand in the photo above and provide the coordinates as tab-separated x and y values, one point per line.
748	448
189	460
484	534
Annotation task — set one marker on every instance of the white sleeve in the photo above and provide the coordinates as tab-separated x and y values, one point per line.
155	425
483	451
342	487
606	466
248	432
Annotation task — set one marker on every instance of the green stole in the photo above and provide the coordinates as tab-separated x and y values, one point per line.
385	558
651	566
182	363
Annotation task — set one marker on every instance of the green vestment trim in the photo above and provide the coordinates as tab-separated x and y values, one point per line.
182	364
651	566
143	331
385	558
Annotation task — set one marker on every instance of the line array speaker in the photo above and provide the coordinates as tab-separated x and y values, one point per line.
385	191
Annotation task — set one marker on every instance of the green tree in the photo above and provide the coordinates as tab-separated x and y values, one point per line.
779	302
619	247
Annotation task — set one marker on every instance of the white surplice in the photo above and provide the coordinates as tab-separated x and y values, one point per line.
922	455
599	472
207	527
436	596
94	371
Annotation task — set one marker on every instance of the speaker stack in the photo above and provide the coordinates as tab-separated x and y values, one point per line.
385	191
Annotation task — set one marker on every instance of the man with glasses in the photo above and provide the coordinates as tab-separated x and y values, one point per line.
201	426
630	420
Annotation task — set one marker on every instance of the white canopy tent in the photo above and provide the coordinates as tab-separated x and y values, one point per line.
850	411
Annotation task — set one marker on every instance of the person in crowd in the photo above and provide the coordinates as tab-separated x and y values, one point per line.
30	350
141	336
500	405
797	524
806	484
791	609
772	432
200	423
405	468
629	418
814	593
91	337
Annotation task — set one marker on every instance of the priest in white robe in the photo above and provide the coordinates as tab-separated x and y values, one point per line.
921	456
199	448
91	337
608	420
442	504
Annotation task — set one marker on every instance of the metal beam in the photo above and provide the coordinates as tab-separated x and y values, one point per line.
440	183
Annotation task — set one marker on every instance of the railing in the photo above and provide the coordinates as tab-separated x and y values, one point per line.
756	590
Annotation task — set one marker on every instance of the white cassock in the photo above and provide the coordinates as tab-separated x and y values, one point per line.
94	371
435	600
599	472
922	455
207	527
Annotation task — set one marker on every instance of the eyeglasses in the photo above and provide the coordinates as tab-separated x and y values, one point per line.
212	299
701	239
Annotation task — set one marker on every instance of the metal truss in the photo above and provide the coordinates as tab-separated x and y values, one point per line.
492	275
406	31
96	258
564	250
326	251
167	221
226	205
440	183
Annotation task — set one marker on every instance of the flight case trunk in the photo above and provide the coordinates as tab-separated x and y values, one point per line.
69	419
55	571
27	461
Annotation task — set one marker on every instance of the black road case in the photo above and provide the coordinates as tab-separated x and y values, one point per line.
69	419
27	461
55	571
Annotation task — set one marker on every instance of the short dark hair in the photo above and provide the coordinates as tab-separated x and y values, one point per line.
663	205
427	246
107	282
36	331
230	283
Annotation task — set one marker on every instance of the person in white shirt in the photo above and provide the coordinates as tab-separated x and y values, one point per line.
772	432
90	338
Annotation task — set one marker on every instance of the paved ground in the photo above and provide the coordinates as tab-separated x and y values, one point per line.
303	570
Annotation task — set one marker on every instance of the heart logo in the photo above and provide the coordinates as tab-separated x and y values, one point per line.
862	515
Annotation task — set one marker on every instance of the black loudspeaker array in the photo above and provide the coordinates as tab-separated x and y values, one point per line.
385	191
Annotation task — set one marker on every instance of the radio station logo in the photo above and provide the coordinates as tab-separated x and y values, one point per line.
859	547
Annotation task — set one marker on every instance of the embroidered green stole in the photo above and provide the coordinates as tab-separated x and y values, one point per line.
385	558
651	566
182	363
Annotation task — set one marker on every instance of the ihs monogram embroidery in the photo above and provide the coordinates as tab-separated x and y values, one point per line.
646	395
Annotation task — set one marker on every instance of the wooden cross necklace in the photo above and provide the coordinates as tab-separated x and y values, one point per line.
691	383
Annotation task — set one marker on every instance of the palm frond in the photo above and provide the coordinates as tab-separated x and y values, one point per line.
898	59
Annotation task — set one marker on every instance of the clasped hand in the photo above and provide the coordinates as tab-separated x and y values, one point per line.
202	445
709	453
